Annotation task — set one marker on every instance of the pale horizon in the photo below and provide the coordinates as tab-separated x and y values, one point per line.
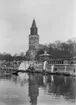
55	19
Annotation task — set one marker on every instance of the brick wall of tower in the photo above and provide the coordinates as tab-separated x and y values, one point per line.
33	42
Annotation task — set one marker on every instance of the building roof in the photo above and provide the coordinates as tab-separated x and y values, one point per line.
33	29
45	54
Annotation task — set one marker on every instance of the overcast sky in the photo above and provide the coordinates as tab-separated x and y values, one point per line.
55	19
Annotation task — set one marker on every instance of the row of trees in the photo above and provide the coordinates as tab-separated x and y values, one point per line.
9	57
57	49
60	49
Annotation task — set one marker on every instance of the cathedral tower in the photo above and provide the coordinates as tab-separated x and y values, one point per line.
33	40
33	37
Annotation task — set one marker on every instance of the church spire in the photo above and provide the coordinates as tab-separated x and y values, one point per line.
33	30
34	23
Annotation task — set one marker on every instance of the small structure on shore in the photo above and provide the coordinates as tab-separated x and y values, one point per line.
45	56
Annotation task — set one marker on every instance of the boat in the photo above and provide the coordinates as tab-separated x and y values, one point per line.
15	73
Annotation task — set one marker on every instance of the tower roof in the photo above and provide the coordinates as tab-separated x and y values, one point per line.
33	29
33	23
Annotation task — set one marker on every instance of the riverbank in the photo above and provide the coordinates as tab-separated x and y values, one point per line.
38	67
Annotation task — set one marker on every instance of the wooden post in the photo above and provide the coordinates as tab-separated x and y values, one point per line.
52	68
44	65
52	78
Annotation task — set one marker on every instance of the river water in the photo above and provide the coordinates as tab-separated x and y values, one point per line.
37	89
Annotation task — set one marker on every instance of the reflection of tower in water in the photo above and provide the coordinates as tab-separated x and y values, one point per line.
33	89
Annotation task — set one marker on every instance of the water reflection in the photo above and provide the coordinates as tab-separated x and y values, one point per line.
37	88
61	85
58	85
33	88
